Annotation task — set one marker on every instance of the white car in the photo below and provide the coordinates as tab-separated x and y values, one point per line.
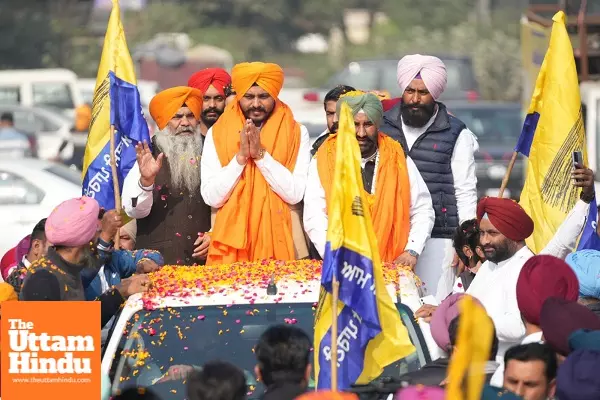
190	321
50	129
29	190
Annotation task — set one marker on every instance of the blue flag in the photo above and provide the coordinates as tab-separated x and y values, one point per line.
589	238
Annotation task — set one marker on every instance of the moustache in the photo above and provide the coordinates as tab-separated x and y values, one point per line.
260	108
184	129
212	110
406	106
334	127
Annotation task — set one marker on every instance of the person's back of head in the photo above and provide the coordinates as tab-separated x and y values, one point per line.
137	394
283	353
453	333
38	243
466	241
6	119
335	93
217	381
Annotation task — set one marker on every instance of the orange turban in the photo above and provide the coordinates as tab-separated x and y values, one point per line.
327	395
267	76
217	77
166	103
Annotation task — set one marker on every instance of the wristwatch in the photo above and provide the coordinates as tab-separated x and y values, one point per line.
413	253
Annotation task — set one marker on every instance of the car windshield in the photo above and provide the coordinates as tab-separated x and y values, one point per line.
65	173
171	337
493	125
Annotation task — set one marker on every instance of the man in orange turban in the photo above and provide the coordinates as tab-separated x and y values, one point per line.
254	168
212	83
165	199
398	197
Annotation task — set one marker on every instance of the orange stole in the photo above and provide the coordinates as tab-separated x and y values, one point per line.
254	223
390	206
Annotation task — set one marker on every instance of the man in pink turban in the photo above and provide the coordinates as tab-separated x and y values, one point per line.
212	82
72	227
443	149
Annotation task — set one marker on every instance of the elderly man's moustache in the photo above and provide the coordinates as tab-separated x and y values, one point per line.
183	129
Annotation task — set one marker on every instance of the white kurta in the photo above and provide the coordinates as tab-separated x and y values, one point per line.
421	210
434	265
217	181
495	286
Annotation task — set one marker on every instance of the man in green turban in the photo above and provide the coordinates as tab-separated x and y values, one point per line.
398	197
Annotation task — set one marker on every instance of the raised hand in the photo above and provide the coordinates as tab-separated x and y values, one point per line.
253	139
244	154
149	166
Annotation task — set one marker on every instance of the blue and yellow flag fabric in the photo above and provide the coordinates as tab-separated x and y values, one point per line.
370	332
116	102
552	131
590	240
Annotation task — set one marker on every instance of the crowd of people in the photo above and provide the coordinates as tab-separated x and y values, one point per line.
231	176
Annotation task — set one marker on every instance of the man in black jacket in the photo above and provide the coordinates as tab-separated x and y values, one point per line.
443	149
282	353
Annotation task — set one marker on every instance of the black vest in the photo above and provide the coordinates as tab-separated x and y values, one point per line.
175	219
432	154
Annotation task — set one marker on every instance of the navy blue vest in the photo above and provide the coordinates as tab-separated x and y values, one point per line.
432	154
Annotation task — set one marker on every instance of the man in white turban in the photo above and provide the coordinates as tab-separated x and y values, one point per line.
442	148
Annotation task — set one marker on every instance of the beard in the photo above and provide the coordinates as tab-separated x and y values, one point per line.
417	117
499	252
180	150
210	121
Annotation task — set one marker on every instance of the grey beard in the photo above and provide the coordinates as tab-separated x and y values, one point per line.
180	151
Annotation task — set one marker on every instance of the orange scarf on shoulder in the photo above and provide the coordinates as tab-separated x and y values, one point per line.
390	206
254	223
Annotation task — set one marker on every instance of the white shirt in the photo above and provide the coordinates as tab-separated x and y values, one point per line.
495	286
132	190
462	164
217	181
422	216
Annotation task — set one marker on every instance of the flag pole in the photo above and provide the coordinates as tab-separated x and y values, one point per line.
511	164
113	158
334	333
115	176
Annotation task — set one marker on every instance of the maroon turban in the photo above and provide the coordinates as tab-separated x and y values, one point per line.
559	318
217	77
542	277
507	216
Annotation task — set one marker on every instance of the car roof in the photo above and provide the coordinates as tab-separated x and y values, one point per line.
26	163
46	111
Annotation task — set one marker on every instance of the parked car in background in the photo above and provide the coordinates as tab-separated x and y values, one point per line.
381	75
313	118
41	87
497	127
48	128
29	191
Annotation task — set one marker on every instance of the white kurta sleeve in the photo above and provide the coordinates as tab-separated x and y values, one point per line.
217	182
134	194
422	216
463	173
315	209
290	186
565	238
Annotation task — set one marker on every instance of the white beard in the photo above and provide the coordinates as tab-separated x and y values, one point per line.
183	155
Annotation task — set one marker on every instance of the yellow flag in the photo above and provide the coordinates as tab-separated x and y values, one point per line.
116	59
370	332
553	130
473	346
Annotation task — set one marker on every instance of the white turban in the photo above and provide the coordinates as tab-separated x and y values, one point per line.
428	68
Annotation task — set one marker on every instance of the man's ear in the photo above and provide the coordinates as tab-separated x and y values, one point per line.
257	373
307	373
552	388
480	252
